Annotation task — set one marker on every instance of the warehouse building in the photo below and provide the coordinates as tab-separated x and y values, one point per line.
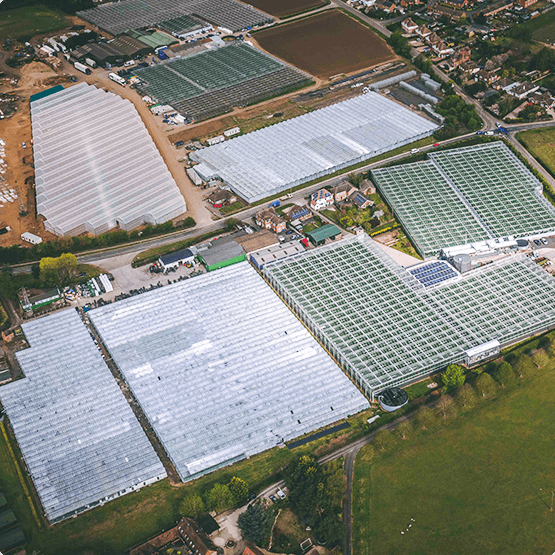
131	47
96	165
79	437
223	252
310	146
103	53
388	326
176	259
258	376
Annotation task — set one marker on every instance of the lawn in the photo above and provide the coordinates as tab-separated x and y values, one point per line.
480	484
543	27
541	144
231	208
29	21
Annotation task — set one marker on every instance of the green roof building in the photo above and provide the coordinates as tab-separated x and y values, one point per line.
154	40
7	518
222	254
319	235
11	538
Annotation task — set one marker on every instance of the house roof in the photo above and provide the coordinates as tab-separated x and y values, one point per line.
320	194
221	251
409	23
344	186
176	256
324	232
221	194
359	198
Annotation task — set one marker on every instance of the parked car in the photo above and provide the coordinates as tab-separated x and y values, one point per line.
414	150
273	498
280	494
544	241
436	144
24	145
536	242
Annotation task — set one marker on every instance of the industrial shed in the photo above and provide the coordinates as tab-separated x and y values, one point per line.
387	328
104	54
275	159
131	47
78	435
153	39
222	253
319	235
227	372
96	165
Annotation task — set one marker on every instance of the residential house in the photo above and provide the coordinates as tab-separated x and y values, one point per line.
437	11
409	3
384	5
459	4
461	56
523	90
367	187
320	199
543	99
505	84
221	197
498	7
470	67
487	76
192	535
434	38
269	219
441	49
409	26
525	3
342	191
360	200
423	31
296	212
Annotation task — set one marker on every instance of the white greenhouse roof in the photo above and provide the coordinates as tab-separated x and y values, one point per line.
96	165
276	158
222	368
79	437
387	329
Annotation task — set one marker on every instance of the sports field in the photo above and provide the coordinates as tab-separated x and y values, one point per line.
482	483
29	21
284	8
326	44
541	144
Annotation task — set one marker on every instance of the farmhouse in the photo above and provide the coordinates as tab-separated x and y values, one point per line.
221	197
360	200
269	219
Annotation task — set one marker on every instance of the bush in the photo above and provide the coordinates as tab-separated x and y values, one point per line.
504	374
485	385
453	377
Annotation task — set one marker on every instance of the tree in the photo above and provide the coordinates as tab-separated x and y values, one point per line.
446	407
67	266
56	271
453	377
383	440
466	396
256	524
239	490
524	367
49	270
404	429
424	417
220	498
231	223
540	359
355	179
330	530
192	506
504	374
485	385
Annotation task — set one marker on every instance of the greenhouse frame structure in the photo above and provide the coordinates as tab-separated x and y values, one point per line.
223	369
385	328
465	195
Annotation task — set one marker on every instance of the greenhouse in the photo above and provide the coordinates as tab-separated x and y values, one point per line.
386	328
223	369
96	165
78	435
215	81
465	195
118	17
277	158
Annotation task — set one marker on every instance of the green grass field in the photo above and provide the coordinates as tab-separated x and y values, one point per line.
543	27
541	144
30	20
480	484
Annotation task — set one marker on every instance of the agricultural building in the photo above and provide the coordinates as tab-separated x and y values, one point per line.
154	39
212	82
41	299
466	195
96	165
222	253
227	372
279	252
386	328
229	15
185	26
104	54
257	241
310	146
11	538
319	235
130	46
176	259
78	435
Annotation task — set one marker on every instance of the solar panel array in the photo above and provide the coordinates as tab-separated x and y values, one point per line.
222	368
387	329
116	18
96	165
212	82
465	195
80	439
282	156
433	273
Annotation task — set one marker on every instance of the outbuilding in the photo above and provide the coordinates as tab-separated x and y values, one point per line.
319	235
176	259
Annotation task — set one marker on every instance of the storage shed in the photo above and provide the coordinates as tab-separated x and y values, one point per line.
318	236
176	259
222	254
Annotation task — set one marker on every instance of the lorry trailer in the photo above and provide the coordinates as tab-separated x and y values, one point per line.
82	67
117	79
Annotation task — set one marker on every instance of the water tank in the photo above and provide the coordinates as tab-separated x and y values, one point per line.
463	262
393	399
522	244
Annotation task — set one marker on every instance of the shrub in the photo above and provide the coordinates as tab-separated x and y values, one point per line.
453	377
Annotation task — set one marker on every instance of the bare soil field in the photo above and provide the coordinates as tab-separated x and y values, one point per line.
326	44
284	8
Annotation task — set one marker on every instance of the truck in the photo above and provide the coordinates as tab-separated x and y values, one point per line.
90	62
82	68
275	204
116	78
162	55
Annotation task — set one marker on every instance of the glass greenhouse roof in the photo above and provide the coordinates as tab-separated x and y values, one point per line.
465	195
96	165
281	156
222	368
386	328
78	435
